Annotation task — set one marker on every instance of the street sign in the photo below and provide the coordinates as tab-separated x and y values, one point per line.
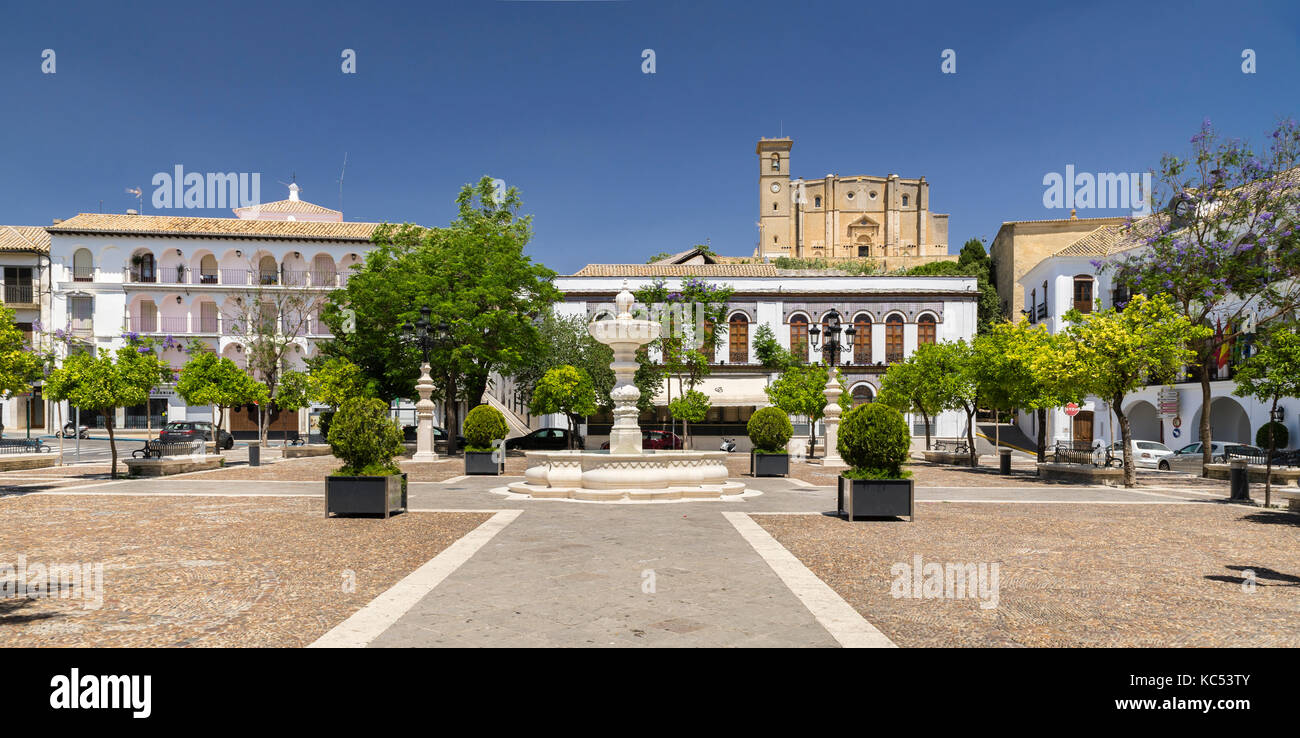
1178	421
1177	433
1168	402
1072	409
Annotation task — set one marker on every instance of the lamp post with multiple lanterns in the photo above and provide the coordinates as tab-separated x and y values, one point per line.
830	349
426	337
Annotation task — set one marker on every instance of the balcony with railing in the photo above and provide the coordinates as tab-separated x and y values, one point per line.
83	274
224	276
19	294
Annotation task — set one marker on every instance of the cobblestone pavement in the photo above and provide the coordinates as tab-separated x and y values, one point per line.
566	573
201	571
1069	575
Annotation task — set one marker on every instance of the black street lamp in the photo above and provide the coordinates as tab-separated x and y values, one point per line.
831	347
419	335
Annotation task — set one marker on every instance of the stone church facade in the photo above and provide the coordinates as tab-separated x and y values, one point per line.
844	217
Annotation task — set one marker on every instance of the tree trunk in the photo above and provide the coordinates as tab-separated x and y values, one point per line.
1041	415
1205	418
1126	436
453	421
925	417
1268	462
112	442
970	436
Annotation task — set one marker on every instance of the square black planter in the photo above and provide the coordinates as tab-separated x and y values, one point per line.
481	462
381	496
876	498
769	465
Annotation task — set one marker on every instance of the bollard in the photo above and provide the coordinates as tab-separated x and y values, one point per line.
1004	461
254	455
1239	480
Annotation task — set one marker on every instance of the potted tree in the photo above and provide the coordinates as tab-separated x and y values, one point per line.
367	441
769	430
485	428
874	441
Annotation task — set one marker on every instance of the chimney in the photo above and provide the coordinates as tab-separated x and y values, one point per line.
58	221
132	211
293	192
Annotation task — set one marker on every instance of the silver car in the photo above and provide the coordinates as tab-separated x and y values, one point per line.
1145	453
1188	458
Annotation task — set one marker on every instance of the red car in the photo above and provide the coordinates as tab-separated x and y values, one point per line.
655	440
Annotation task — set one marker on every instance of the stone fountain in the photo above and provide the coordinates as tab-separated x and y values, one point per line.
626	471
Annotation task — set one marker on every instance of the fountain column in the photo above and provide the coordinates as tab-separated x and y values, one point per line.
628	336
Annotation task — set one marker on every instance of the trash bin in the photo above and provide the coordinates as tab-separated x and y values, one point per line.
1004	461
254	455
1239	480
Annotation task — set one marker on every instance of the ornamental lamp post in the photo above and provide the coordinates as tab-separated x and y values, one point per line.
830	349
418	335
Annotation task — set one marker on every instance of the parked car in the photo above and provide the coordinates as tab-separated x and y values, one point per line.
543	439
410	434
82	431
656	440
1145	453
183	431
1188	458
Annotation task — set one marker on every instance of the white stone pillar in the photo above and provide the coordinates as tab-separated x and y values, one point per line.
424	412
831	420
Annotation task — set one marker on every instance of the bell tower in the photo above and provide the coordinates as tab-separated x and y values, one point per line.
775	199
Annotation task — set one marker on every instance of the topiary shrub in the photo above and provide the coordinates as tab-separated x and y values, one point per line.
769	430
875	440
1280	435
365	438
483	425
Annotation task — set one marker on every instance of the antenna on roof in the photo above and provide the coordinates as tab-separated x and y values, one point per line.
139	196
341	173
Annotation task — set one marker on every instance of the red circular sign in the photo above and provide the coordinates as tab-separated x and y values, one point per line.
1072	409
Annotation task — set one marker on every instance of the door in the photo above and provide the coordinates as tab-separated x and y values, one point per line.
1083	427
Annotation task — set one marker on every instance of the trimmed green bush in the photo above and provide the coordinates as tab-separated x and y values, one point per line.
769	430
875	440
1281	437
365	438
483	425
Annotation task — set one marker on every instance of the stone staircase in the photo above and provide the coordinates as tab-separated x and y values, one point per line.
515	423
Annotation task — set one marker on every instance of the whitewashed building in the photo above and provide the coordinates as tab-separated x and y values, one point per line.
1170	414
188	278
24	265
892	315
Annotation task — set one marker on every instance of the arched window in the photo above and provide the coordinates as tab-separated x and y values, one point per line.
904	200
894	339
862	394
799	337
147	317
83	266
1083	293
268	270
323	273
208	269
738	339
862	341
144	267
925	329
776	162
706	342
817	201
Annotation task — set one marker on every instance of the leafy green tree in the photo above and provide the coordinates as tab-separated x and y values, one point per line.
474	276
958	360
335	380
1270	375
1011	376
209	379
920	384
771	354
565	340
691	407
568	390
291	395
1226	244
695	322
1114	352
105	383
20	365
800	390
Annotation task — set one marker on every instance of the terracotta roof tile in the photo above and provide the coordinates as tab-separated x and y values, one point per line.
677	270
24	238
289	206
170	225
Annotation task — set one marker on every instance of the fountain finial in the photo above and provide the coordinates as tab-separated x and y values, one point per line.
624	302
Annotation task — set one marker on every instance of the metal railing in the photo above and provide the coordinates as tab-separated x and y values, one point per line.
23	446
160	450
83	274
18	293
223	276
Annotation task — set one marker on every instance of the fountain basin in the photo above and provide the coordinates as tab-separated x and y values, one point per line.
648	475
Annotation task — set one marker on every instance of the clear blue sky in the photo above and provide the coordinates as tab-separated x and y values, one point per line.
616	164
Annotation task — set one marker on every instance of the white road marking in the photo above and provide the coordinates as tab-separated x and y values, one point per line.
838	617
368	623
